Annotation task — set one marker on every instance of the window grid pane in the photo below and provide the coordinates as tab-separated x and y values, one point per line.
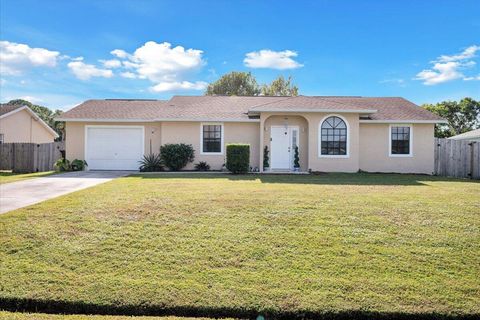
212	138
334	137
400	140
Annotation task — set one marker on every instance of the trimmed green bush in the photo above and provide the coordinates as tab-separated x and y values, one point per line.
266	158
79	165
296	158
238	158
176	156
62	164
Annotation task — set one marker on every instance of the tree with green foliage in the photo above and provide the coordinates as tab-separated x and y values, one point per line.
45	114
280	87
462	116
245	84
235	84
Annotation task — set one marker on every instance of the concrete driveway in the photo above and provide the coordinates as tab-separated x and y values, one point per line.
24	193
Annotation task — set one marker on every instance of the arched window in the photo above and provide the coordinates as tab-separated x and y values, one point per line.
334	136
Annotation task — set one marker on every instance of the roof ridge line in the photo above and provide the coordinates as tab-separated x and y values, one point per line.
264	104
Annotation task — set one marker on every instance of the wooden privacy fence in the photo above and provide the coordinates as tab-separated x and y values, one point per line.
29	157
457	158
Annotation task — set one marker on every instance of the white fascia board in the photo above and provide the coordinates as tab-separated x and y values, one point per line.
403	121
156	120
313	110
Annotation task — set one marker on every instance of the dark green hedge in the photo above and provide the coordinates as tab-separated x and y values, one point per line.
176	156
238	158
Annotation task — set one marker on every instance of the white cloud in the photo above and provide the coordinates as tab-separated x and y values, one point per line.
119	53
31	99
113	63
177	86
449	67
85	71
472	78
165	66
160	62
272	59
15	58
466	54
128	75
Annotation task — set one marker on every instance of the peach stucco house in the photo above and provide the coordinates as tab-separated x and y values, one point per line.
333	134
21	124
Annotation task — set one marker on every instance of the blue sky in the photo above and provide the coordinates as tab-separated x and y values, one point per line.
59	53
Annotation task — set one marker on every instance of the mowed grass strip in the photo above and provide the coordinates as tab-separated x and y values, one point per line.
9	176
327	243
4	315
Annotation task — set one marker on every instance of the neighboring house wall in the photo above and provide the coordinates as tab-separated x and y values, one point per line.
75	136
375	150
22	127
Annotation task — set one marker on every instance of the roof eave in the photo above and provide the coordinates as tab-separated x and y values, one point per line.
403	121
367	111
157	120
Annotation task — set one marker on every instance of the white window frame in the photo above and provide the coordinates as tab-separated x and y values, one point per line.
221	138
410	144
337	156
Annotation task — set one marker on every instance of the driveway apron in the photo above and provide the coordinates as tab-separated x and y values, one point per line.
20	194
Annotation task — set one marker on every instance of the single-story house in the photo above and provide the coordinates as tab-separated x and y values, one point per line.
342	134
473	135
21	124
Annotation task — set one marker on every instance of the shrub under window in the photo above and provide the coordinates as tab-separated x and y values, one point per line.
238	158
176	156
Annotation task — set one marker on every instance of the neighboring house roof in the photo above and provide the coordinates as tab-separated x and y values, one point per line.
243	108
470	135
7	110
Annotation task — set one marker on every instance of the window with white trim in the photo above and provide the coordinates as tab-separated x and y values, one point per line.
334	136
400	140
212	138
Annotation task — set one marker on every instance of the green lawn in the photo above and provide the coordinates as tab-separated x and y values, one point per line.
9	176
243	245
39	316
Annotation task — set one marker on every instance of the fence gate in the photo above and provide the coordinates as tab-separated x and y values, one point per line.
457	158
29	157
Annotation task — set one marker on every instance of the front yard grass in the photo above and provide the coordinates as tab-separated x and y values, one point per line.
43	316
9	176
337	244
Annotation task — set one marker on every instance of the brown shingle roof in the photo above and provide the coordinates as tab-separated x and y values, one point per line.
6	108
204	108
113	109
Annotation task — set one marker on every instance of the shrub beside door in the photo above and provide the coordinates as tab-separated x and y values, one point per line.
238	158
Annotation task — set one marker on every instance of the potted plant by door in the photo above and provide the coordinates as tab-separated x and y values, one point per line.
265	159
296	160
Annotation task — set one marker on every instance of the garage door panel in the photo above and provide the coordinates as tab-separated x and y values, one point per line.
114	148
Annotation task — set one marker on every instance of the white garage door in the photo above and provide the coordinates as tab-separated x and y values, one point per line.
113	147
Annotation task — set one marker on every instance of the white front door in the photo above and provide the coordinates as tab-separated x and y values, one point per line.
283	140
114	147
